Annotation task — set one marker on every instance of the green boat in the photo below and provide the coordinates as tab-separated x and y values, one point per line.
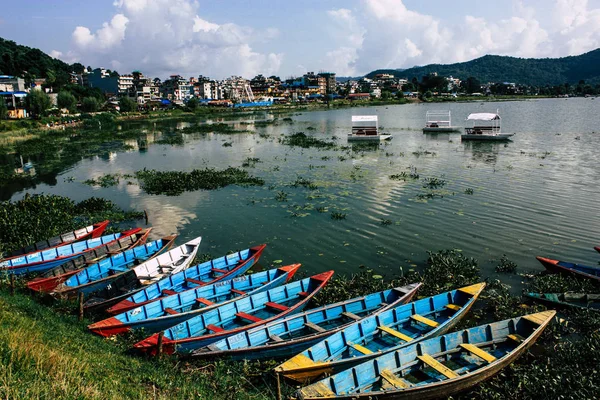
569	299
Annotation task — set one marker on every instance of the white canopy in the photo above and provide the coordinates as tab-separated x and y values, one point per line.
364	118
483	116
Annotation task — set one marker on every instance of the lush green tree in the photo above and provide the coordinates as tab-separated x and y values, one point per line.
386	94
192	104
77	68
66	100
37	102
400	94
90	104
471	85
127	105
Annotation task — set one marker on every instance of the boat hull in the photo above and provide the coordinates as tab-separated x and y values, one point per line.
178	282
445	129
184	340
303	369
90	232
484	137
368	138
118	324
288	348
442	388
54	277
584	271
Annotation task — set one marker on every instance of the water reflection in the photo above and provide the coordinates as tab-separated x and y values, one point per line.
485	152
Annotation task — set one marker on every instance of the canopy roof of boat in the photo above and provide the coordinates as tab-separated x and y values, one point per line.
483	116
364	118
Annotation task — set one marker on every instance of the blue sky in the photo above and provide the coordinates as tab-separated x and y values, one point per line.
219	38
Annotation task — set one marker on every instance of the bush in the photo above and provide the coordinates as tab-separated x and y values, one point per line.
127	105
66	100
38	103
90	104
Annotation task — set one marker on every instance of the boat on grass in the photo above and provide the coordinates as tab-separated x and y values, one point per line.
383	332
140	276
50	258
286	337
580	270
365	128
484	126
435	368
237	316
52	278
439	121
218	269
172	310
88	232
586	301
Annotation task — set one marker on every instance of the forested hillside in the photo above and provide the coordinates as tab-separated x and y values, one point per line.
530	71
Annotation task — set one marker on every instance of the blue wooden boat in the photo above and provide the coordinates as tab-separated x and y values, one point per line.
55	276
219	269
580	270
88	232
101	274
140	276
237	316
286	337
383	332
172	310
50	258
588	301
437	367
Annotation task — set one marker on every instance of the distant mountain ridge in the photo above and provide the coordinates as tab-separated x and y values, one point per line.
530	71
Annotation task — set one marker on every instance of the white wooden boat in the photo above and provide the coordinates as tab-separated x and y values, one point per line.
365	128
439	122
484	126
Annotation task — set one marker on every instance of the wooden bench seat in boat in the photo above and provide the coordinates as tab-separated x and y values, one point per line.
240	292
424	320
195	281
248	317
171	311
438	366
202	300
395	333
276	306
168	292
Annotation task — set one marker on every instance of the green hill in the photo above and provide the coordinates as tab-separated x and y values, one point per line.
531	71
33	63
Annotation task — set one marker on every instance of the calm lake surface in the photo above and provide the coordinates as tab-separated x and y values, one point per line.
536	195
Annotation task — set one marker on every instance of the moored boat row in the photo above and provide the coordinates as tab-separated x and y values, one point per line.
381	345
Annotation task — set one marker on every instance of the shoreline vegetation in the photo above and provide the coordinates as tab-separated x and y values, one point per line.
16	128
45	352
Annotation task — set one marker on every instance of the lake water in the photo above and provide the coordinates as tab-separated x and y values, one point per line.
536	195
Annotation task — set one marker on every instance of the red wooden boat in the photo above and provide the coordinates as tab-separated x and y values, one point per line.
580	270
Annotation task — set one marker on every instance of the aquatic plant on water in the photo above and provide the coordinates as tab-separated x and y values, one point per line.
173	183
336	216
300	139
506	266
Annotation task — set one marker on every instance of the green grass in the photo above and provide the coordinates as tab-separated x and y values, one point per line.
45	354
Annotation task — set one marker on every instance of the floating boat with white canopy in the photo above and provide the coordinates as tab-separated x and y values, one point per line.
437	121
484	126
365	128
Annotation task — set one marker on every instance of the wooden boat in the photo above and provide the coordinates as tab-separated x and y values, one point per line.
580	270
237	316
365	128
383	332
286	337
50	258
142	275
437	367
172	310
88	232
101	274
439	121
597	248
52	278
485	126
578	300
219	269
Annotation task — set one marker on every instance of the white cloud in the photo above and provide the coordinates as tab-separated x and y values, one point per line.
162	37
387	34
